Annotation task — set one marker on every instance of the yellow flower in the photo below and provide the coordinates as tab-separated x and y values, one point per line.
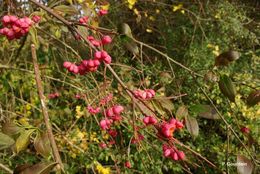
177	7
79	113
102	170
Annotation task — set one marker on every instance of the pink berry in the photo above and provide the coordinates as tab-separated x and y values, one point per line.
97	55
118	109
36	19
67	64
108	60
128	164
146	120
102	12
6	19
106	40
181	155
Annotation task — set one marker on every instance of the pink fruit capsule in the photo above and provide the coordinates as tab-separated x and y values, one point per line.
67	64
91	63
181	155
104	54
76	69
118	109
146	120
107	59
106	40
152	120
97	55
96	62
6	19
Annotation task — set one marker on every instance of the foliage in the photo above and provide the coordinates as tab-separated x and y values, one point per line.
179	49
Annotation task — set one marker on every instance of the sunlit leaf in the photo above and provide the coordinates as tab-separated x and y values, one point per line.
23	140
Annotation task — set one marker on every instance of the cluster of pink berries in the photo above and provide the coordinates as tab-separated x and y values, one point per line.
91	65
106	99
93	110
144	94
83	20
112	114
149	120
173	153
104	41
15	28
137	138
167	128
53	95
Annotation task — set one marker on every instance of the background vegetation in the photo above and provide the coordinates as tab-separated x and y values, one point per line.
193	33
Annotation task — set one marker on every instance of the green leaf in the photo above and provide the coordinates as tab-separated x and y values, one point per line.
208	112
125	30
23	140
192	126
227	87
5	141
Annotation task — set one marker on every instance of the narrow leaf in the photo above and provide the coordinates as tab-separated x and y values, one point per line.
192	126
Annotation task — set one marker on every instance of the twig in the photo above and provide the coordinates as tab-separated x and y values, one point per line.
229	127
2	166
45	110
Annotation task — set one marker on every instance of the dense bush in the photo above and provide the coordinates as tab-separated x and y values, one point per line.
130	86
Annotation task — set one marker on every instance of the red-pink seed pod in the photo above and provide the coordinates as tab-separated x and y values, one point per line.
107	59
104	54
67	64
181	155
91	63
110	112
98	55
6	20
96	62
106	40
146	120
118	109
152	120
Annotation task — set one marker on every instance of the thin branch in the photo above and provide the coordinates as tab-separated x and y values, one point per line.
45	110
2	166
